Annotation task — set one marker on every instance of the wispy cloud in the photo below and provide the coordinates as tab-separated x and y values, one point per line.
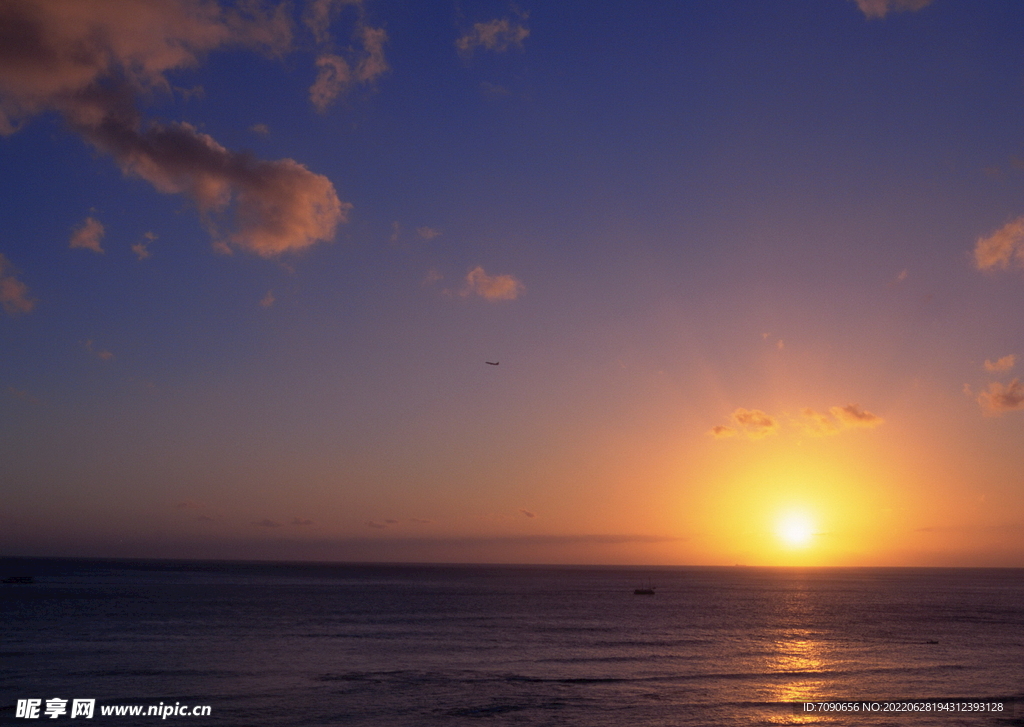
527	513
498	35
492	287
817	424
427	233
23	395
852	416
101	354
267	523
141	249
87	236
89	59
14	295
268	299
754	423
260	129
1002	398
1000	248
881	8
720	431
337	74
1004	364
301	521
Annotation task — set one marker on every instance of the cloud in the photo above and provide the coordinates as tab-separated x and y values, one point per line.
260	129
1001	247
754	423
14	295
496	35
88	235
188	505
267	523
301	521
1000	398
376	525
852	416
333	77
721	431
141	249
336	73
527	513
427	233
881	8
491	287
1004	364
817	424
89	59
103	355
23	395
268	299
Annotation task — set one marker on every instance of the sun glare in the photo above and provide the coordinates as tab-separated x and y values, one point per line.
795	530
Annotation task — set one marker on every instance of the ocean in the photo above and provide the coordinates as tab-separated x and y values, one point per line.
311	644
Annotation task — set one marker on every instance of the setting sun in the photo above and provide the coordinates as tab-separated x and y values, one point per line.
795	529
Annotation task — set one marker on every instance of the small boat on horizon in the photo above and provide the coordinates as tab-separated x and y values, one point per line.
647	590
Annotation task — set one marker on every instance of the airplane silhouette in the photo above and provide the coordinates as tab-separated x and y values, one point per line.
492	363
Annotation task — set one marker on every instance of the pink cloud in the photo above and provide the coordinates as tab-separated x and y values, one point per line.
89	59
881	8
88	235
492	287
14	295
141	249
1000	248
1004	364
496	35
1000	398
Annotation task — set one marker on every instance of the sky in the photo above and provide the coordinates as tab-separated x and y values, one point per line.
749	276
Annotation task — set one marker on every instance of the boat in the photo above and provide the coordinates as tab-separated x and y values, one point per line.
647	590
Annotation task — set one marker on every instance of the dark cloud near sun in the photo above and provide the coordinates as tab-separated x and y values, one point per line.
89	60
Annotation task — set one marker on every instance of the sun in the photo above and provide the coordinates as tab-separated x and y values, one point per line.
795	529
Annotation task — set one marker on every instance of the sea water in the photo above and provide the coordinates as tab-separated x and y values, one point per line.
279	645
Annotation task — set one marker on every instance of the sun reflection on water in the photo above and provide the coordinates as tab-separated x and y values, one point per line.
799	662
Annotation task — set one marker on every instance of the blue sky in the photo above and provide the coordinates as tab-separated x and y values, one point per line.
254	262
